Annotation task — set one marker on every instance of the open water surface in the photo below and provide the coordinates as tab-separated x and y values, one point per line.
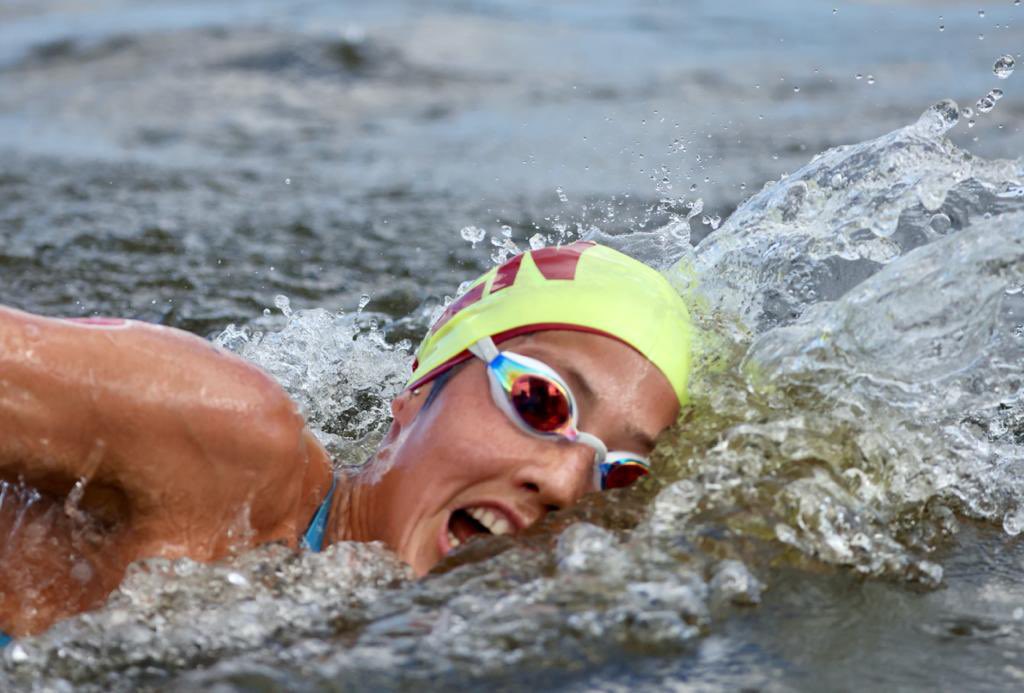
307	184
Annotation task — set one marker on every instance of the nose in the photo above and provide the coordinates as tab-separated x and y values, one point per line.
559	474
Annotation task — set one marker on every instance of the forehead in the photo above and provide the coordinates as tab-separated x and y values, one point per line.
612	382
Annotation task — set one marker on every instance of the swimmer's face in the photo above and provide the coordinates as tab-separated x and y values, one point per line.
460	467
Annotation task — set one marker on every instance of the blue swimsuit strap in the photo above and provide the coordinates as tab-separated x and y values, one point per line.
313	539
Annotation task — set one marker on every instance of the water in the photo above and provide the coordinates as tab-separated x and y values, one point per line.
841	507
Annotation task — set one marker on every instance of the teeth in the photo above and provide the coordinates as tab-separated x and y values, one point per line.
453	540
491	520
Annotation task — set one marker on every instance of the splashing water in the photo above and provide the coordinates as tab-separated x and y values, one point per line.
860	396
338	368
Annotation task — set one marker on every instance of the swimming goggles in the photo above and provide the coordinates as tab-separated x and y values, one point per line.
540	403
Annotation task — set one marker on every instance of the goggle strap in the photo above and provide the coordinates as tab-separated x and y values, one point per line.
485	350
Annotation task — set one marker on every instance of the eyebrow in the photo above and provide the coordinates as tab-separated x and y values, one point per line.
581	385
637	436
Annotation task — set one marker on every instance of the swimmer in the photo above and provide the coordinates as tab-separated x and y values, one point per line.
550	378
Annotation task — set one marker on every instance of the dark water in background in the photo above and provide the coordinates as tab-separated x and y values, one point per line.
148	147
185	163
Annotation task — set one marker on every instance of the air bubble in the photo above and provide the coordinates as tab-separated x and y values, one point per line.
1003	67
473	234
1013	522
940	223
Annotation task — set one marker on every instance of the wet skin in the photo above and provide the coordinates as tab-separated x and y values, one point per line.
188	451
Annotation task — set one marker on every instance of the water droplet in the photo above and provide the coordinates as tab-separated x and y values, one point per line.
1003	67
18	654
971	123
966	112
860	76
537	241
871	79
287	181
363	301
981	14
562	197
796	90
995	94
283	305
985	104
981	37
506	231
237	579
942	27
693	187
940	223
473	234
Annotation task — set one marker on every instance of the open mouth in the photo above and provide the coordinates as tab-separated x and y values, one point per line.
475	520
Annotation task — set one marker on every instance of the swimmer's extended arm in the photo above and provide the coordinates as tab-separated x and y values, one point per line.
189	450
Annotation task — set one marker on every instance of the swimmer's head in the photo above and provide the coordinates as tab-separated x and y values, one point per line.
582	287
461	459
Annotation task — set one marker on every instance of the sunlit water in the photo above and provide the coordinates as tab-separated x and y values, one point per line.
840	508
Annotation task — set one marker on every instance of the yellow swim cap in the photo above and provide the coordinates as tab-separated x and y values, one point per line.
583	286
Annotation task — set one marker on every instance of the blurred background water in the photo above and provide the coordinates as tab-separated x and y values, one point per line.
194	163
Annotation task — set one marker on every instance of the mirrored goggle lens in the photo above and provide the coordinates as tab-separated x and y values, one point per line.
540	402
622	474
